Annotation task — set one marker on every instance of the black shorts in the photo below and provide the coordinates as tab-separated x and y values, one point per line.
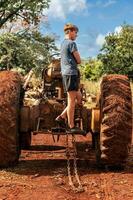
71	82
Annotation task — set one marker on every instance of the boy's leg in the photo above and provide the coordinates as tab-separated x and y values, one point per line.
64	113
71	107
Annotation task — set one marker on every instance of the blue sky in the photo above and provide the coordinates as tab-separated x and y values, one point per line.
95	19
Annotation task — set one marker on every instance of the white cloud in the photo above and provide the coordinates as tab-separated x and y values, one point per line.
60	9
109	3
117	29
100	39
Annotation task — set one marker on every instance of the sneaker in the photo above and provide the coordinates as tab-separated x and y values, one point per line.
76	130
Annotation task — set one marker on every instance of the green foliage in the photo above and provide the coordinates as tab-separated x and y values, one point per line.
25	51
91	69
27	10
117	52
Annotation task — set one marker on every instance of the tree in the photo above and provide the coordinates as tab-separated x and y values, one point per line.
25	51
117	52
91	69
27	10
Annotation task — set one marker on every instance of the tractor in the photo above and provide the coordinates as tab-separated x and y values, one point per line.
109	122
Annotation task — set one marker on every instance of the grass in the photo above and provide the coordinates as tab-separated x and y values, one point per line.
92	90
92	87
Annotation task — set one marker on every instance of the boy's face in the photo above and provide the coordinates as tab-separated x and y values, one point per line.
73	34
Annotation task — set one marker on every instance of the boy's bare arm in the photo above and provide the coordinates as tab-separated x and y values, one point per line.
77	57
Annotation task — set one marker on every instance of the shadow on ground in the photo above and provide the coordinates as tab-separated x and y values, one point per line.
30	165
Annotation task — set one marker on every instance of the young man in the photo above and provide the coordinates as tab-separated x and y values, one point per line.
70	58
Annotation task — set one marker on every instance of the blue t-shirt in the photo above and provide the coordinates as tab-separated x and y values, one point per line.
68	62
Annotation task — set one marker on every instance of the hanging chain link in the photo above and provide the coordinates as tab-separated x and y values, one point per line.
80	187
73	154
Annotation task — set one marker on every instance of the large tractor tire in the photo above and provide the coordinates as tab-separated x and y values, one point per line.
116	120
10	86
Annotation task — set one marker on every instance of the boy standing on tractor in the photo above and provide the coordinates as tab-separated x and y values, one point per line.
70	58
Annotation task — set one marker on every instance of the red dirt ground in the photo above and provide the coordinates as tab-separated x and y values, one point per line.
42	175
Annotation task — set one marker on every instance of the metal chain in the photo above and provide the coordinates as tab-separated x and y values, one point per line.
69	165
79	188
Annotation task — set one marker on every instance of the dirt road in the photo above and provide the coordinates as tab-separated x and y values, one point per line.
42	174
